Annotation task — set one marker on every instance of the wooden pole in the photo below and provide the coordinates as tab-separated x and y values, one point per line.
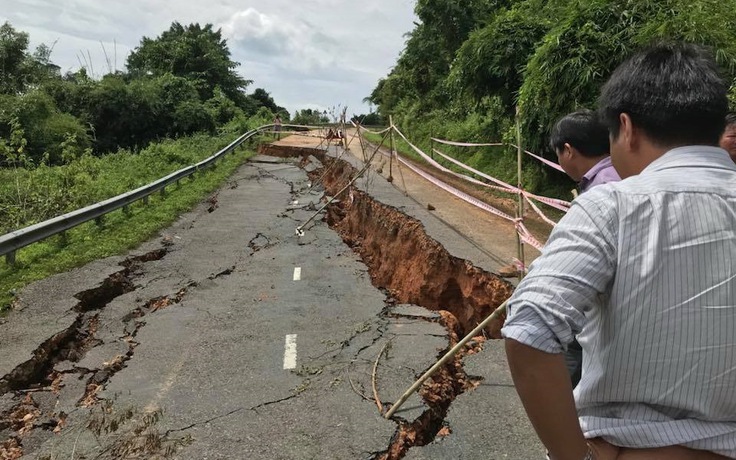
431	144
391	140
498	312
360	138
343	119
520	207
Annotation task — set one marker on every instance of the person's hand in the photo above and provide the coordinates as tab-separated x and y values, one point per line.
603	450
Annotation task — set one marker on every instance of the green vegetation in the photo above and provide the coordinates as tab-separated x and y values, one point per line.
100	178
180	83
68	141
468	66
310	117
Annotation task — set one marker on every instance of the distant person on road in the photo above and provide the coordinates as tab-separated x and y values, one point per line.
643	273
277	126
728	139
581	143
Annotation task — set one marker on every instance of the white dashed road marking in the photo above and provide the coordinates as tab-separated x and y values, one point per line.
297	273
290	352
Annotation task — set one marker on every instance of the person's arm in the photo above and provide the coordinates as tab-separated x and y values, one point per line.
547	311
543	384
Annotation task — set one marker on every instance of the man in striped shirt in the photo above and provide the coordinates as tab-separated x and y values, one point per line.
728	139
643	271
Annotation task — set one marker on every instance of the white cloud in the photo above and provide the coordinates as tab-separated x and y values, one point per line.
293	44
316	52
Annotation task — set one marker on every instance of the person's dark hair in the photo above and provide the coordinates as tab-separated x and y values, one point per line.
673	92
730	118
582	130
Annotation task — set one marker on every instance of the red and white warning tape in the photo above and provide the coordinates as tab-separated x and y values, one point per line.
539	212
502	186
467	144
526	236
462	195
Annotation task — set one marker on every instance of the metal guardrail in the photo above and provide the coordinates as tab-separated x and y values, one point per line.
13	241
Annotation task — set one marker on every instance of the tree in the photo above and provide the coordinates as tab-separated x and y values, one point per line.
492	60
13	46
368	119
45	127
262	99
20	70
309	117
577	56
196	53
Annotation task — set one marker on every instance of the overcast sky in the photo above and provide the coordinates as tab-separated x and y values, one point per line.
306	53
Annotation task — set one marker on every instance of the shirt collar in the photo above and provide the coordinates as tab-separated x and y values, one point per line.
700	156
592	172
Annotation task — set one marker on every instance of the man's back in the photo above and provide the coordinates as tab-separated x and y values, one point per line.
662	363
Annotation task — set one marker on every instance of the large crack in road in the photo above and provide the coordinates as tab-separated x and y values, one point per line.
406	264
414	269
57	359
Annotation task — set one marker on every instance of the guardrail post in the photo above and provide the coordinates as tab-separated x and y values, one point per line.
145	200
99	221
63	238
178	183
126	211
10	258
163	191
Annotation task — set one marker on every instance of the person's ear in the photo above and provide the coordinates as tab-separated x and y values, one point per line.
567	149
628	132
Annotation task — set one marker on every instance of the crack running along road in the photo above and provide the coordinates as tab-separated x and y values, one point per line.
232	326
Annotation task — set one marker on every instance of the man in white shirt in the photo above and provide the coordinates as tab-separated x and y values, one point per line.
643	271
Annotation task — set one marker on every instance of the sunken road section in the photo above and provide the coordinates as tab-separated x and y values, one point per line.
400	255
403	261
412	268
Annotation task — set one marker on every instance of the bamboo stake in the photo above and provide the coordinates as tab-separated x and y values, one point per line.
300	229
431	144
498	312
360	138
373	378
391	156
520	207
401	175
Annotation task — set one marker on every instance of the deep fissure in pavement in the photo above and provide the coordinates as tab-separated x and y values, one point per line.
40	375
415	269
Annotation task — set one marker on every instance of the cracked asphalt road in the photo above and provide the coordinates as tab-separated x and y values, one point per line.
209	352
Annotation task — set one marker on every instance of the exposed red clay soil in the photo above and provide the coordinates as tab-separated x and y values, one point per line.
415	269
